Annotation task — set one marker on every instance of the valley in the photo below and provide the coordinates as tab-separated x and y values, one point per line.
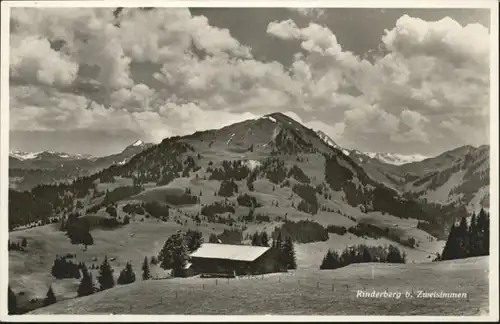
248	177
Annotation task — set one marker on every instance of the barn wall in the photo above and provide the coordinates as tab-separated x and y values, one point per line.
266	263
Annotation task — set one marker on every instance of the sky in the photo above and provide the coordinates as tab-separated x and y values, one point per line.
93	80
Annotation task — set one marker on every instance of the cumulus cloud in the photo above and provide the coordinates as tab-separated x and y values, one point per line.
431	83
309	12
33	61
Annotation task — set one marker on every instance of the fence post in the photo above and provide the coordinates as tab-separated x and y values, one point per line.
216	282
333	287
130	307
203	286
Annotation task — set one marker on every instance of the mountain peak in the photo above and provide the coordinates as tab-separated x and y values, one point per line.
137	143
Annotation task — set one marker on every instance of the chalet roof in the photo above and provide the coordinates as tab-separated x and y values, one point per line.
229	252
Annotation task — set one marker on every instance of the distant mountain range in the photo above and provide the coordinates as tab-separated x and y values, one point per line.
388	158
458	176
274	159
27	170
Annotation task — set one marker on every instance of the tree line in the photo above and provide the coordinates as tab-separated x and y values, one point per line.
468	239
362	254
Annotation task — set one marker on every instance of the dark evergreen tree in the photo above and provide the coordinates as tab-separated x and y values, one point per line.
483	224
50	298
463	242
127	275
288	250
256	239
331	260
180	258
12	302
105	277
264	238
146	273
395	255
194	239
366	256
473	236
450	250
86	286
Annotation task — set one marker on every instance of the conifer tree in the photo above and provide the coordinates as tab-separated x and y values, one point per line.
50	298
264	238
473	236
127	275
105	277
12	302
463	243
331	260
146	274
483	224
180	258
256	240
289	254
451	246
86	286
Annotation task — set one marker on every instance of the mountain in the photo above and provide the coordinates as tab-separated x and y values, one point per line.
388	158
456	177
273	163
460	176
27	170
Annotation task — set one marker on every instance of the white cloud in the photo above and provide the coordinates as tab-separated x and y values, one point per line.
309	12
432	83
33	61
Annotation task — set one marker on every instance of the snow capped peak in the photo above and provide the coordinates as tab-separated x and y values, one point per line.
327	139
394	158
137	143
20	155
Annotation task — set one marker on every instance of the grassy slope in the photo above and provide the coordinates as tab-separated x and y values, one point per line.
305	292
30	271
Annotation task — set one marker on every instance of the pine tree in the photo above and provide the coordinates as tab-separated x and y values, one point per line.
473	236
264	238
463	242
366	256
127	275
180	257
484	229
50	298
146	274
12	302
331	260
256	240
105	277
451	246
289	257
86	286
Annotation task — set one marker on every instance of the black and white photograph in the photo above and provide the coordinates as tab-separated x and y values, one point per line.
269	160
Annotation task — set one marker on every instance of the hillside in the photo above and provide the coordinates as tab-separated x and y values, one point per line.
273	158
302	292
456	177
27	170
255	175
